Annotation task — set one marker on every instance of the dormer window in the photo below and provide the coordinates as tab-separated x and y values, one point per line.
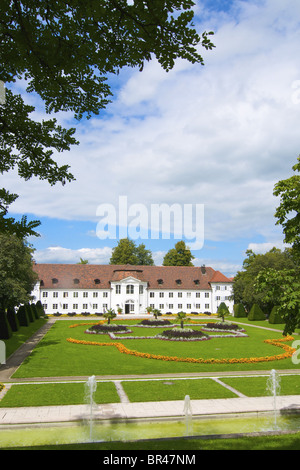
178	281
54	280
196	281
160	281
97	281
76	281
42	283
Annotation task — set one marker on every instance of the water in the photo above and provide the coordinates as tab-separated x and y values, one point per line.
273	387
68	433
90	389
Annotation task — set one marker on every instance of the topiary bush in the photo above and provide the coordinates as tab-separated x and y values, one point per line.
239	311
5	328
275	317
256	313
13	319
23	316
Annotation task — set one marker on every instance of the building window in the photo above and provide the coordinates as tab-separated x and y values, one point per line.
198	294
161	306
105	306
45	306
170	294
188	294
131	307
118	289
105	294
95	306
161	294
206	295
55	306
65	294
75	294
75	306
179	294
130	289
179	305
85	294
198	306
95	294
152	305
141	289
218	297
218	287
206	305
45	294
189	306
151	294
84	306
55	294
65	307
170	305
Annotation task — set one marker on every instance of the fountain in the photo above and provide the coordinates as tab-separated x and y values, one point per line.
273	387
90	389
187	409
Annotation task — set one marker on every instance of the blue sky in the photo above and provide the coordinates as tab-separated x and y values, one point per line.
219	135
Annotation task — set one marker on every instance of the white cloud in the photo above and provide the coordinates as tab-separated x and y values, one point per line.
58	254
262	248
219	135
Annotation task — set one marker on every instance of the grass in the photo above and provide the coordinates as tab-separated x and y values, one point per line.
56	394
22	335
52	355
160	390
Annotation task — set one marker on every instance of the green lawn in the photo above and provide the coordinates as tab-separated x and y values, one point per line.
57	394
55	356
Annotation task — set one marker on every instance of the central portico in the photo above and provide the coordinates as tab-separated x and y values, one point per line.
129	290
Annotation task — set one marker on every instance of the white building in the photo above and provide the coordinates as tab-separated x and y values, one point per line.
86	288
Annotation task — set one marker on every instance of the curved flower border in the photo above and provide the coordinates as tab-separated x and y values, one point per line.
249	360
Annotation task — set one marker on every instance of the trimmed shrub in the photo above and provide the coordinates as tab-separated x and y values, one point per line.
239	311
29	313
256	313
35	311
40	308
5	328
13	319
275	317
23	316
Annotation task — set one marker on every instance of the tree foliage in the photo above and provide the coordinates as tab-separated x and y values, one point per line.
282	287
65	52
127	252
244	289
179	256
17	277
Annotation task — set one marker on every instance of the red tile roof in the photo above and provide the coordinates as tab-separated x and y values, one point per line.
62	276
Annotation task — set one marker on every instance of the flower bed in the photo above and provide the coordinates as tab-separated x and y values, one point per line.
179	334
154	323
106	329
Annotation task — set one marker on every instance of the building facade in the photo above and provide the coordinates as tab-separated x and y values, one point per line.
85	288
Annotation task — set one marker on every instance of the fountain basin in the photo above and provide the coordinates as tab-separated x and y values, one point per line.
137	429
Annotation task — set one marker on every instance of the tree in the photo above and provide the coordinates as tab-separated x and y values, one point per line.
223	311
126	252
178	256
109	315
283	286
65	52
288	212
181	318
244	290
17	277
144	256
83	261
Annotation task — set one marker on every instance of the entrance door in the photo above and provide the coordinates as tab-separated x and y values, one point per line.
127	308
